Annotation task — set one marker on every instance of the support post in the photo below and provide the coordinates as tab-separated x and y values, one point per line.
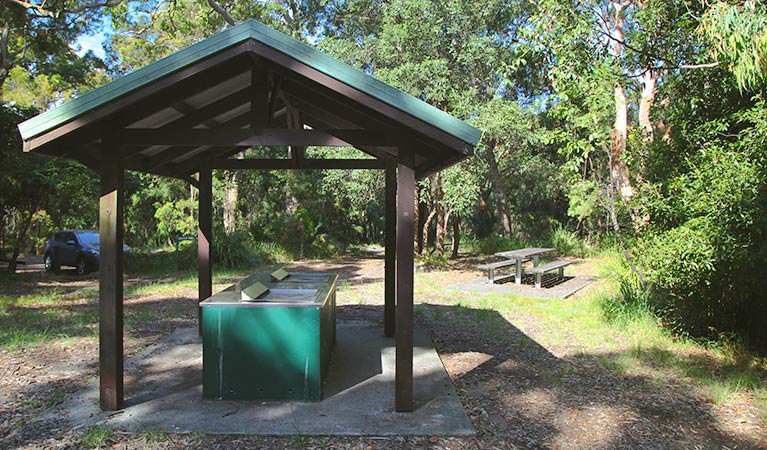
403	398
390	255
204	237
111	394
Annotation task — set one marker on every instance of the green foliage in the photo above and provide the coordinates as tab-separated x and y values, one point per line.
495	243
705	256
537	77
32	189
97	437
567	242
433	261
175	219
631	304
737	34
233	251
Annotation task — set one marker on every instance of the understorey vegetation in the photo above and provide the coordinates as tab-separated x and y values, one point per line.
632	127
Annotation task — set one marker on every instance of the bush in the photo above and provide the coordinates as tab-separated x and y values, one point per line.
494	243
631	303
271	253
158	262
234	250
705	253
433	262
228	251
567	242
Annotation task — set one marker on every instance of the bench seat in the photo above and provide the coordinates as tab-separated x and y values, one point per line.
490	267
540	270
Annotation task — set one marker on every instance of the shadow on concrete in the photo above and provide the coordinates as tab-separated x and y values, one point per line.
163	392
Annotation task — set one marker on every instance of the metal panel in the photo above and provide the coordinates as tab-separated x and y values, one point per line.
157	119
269	350
223	89
134	80
261	353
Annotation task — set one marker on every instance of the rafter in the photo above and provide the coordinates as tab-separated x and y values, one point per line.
194	137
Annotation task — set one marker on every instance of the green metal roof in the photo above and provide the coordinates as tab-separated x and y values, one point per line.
250	29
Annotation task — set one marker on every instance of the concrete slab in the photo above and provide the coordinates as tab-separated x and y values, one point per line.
164	393
551	286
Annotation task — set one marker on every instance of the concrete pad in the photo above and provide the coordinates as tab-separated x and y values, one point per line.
164	393
551	286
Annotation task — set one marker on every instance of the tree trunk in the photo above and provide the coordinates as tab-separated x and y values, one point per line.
20	238
425	232
646	103
420	216
439	240
501	200
231	192
649	80
456	235
618	169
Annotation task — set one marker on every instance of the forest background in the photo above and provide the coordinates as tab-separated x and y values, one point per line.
637	126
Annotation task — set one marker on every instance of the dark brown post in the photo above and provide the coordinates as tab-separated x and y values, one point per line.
111	282
204	237
403	397
390	237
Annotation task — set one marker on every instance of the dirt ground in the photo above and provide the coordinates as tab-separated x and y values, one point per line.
519	395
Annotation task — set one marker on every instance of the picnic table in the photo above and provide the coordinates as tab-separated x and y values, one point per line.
521	255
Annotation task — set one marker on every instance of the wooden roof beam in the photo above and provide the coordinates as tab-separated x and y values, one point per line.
307	164
239	137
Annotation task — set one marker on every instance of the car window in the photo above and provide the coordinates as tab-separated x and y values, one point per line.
88	238
59	237
68	236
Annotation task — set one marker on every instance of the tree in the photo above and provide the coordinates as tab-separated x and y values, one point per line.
451	54
36	36
737	35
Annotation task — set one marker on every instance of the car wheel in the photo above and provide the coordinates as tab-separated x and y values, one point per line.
48	262
81	266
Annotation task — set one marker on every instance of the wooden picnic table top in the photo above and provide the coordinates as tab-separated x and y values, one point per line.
524	252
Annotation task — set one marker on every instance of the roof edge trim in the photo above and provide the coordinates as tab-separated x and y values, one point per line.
132	81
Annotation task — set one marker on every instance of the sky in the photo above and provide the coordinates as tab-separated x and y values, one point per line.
92	43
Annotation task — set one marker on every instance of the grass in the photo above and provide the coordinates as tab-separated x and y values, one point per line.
48	315
60	317
97	437
154	437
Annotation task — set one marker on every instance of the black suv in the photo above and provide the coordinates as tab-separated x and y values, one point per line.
76	248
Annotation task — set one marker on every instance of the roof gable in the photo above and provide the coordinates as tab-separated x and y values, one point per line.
250	30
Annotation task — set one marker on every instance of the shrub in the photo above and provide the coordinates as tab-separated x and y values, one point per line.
433	262
567	242
270	253
234	250
705	253
494	243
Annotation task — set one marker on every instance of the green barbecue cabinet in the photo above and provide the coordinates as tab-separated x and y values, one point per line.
276	346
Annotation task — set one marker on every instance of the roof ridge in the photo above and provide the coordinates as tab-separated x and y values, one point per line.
250	29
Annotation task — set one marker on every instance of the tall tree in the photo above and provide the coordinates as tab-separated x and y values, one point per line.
451	54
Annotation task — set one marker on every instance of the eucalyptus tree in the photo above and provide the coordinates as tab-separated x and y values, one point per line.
454	54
